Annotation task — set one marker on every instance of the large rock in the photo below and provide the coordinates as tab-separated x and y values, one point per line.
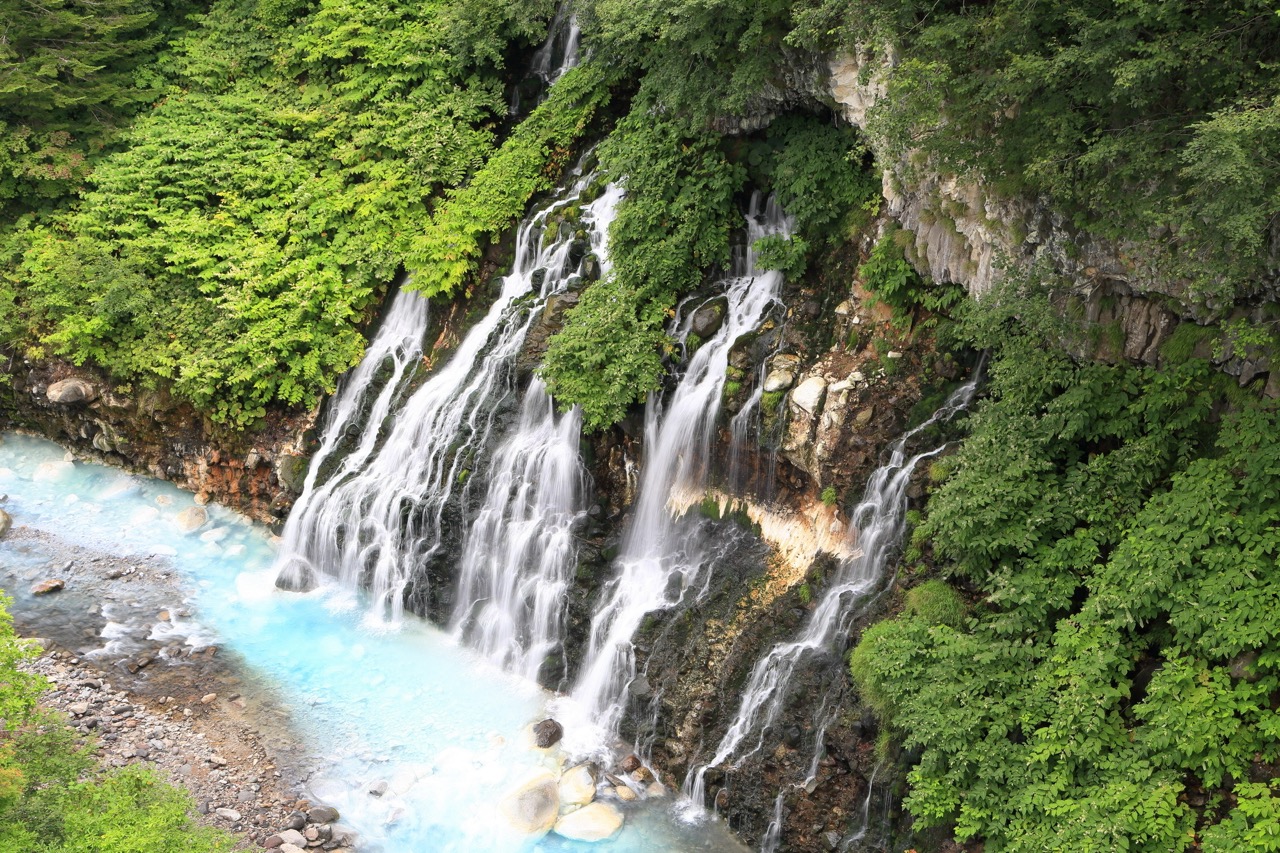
192	519
808	395
595	822
291	471
322	814
70	391
6	523
546	734
533	807
577	786
46	587
706	321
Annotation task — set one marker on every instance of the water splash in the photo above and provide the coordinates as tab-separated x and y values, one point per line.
878	522
381	516
661	560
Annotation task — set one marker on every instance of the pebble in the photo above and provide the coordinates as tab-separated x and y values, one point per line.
228	814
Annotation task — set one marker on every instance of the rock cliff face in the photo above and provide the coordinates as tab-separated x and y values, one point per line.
150	432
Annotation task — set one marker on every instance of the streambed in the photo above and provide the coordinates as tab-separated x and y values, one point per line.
443	728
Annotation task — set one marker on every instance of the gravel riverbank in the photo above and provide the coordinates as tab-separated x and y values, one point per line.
128	665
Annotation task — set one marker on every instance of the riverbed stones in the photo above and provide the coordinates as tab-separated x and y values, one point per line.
547	733
6	523
577	786
192	519
70	391
595	822
630	764
48	586
228	814
322	814
533	807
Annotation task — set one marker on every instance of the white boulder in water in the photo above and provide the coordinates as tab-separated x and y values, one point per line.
192	519
577	786
595	822
532	808
53	472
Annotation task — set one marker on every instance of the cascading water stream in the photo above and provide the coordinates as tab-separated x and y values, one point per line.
878	522
521	551
557	55
378	518
661	559
359	399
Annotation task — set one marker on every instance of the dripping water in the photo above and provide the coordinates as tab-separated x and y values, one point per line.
878	522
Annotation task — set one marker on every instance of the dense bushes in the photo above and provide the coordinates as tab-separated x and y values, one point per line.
1112	688
237	238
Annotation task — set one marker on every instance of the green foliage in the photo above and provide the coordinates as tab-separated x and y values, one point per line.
1181	345
1124	547
530	161
935	602
608	354
805	593
672	226
829	496
695	59
237	240
53	800
788	255
1151	118
890	277
816	170
67	80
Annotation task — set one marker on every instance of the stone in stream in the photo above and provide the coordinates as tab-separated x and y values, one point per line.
577	786
547	733
322	814
533	807
192	519
595	822
624	793
630	764
46	587
378	788
6	523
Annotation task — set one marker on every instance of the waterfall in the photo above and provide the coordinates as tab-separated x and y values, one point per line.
520	553
660	559
878	522
557	55
380	515
361	398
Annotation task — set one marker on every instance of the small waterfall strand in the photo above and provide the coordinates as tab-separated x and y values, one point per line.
878	522
661	561
383	516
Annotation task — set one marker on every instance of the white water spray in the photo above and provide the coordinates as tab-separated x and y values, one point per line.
661	560
380	517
